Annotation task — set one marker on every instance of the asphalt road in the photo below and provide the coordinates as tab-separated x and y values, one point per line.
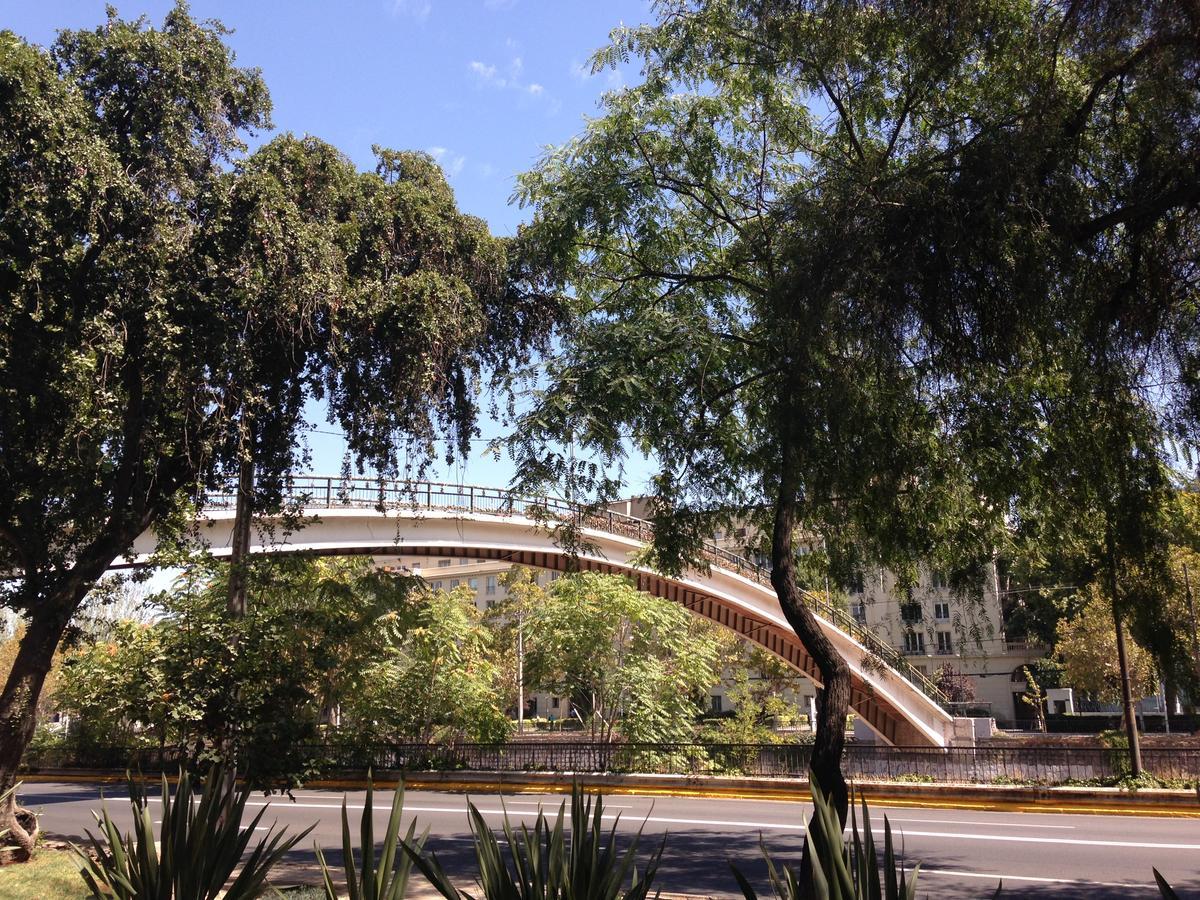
962	853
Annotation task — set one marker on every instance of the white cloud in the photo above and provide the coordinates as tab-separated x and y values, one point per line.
414	9
451	163
487	74
486	170
510	78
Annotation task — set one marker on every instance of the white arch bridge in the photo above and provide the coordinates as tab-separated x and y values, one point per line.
415	519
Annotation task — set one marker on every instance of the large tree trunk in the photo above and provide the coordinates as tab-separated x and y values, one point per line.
239	557
830	736
19	701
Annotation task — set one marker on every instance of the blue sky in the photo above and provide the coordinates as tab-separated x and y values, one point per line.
483	85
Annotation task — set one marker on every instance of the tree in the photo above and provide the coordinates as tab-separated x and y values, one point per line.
438	681
957	687
702	227
172	306
117	683
842	267
632	664
1087	645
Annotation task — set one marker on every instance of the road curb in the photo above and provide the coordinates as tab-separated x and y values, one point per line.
997	798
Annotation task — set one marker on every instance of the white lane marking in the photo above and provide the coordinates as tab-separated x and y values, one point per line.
1039	879
1018	839
788	826
981	824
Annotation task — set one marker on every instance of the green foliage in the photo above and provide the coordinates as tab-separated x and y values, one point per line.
546	864
114	685
307	642
633	663
437	681
200	845
1087	645
758	709
375	878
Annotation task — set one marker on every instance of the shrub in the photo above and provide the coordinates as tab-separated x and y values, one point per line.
202	843
375	878
546	864
840	870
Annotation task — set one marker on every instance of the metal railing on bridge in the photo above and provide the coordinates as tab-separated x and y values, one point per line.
383	494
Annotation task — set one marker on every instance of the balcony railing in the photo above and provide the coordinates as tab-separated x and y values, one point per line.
1025	647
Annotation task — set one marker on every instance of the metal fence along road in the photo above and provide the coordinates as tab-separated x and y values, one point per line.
316	492
978	765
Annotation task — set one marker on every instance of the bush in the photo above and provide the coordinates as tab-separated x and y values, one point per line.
199	846
546	864
840	870
375	878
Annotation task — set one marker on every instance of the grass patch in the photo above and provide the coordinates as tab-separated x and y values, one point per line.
50	875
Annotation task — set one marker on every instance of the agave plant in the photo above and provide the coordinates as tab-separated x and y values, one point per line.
382	878
546	864
199	847
841	870
1168	892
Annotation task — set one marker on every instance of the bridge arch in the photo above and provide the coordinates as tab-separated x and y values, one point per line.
408	519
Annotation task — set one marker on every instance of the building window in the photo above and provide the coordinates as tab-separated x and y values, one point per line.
554	576
491	603
437	585
911	613
938	580
941	611
945	645
453	583
463	561
855	585
554	703
718	534
914	643
715	703
443	563
473	584
860	612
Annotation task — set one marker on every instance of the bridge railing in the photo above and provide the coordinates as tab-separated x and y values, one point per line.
370	493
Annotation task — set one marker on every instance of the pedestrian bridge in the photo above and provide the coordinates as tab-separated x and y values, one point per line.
415	519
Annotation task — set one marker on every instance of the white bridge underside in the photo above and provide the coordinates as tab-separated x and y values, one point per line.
895	709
